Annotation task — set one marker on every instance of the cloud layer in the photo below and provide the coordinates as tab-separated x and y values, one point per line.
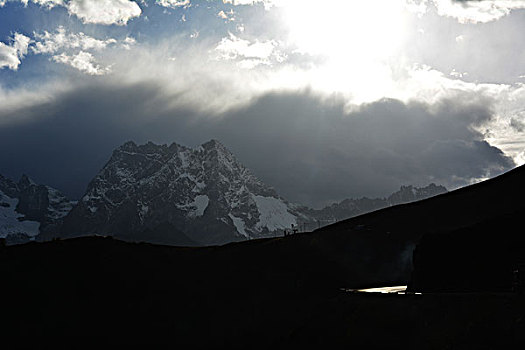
323	101
306	146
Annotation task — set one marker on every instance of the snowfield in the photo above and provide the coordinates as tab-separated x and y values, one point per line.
274	214
9	219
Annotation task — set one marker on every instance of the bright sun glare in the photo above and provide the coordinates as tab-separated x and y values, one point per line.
358	39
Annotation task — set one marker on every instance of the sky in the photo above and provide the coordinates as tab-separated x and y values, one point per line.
323	100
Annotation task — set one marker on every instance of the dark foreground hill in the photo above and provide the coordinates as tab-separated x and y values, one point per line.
273	291
486	256
248	295
478	226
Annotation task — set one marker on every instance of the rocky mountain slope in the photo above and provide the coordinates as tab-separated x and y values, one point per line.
174	195
197	196
27	209
179	195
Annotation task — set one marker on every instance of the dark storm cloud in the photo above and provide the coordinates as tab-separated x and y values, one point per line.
305	146
314	152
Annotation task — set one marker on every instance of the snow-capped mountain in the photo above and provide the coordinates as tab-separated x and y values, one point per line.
172	195
179	195
28	209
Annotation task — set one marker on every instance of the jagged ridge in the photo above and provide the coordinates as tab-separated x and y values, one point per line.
28	209
204	193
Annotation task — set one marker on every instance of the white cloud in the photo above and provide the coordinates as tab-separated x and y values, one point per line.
48	3
83	61
244	2
52	42
239	2
250	54
8	57
228	16
106	12
77	49
457	74
11	55
267	3
173	3
21	43
418	7
128	43
469	11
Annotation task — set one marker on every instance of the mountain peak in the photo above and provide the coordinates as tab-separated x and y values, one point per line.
215	144
217	153
410	193
128	145
204	193
28	209
25	181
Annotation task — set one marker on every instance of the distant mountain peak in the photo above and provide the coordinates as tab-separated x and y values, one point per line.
213	143
357	206
26	181
27	209
205	193
128	145
215	146
409	193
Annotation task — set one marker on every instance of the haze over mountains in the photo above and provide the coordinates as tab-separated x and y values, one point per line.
174	195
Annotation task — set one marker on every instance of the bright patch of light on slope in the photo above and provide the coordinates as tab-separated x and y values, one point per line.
384	290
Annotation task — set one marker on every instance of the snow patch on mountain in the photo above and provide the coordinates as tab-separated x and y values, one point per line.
239	225
10	223
59	205
274	214
200	203
28	209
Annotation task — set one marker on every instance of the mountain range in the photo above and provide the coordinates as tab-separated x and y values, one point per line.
173	195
